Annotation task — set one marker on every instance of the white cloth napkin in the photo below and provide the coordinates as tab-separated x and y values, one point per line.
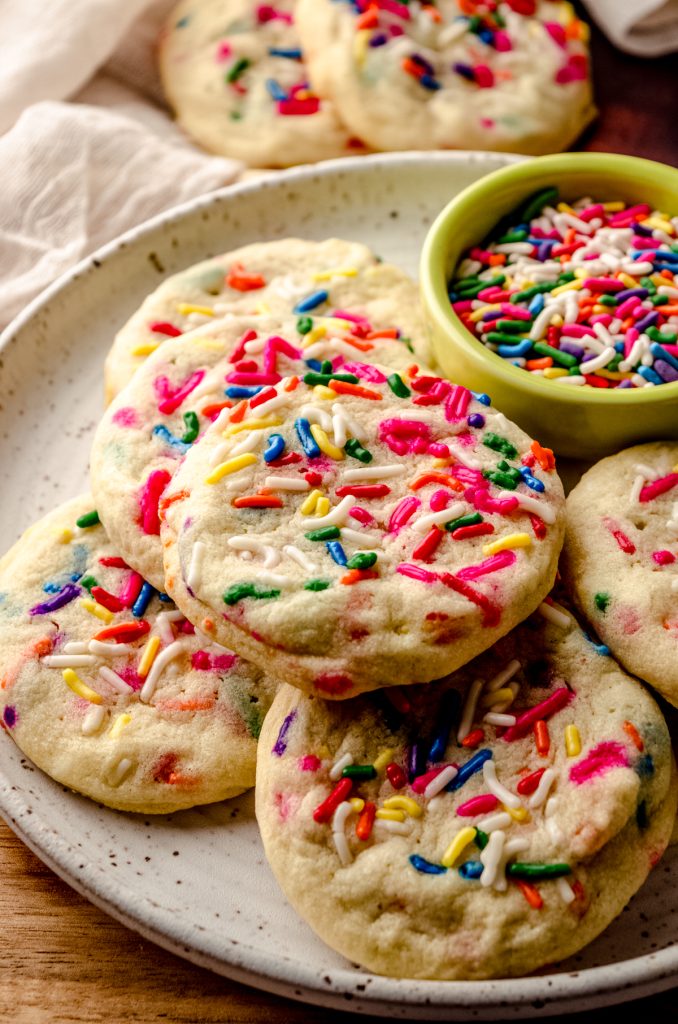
77	174
645	28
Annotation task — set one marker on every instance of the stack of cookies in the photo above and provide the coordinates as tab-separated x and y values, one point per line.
305	552
288	83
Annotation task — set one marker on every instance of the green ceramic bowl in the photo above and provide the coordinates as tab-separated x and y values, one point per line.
580	422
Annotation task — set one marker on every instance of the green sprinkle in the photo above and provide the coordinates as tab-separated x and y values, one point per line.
361	772
614	362
512	326
317	585
470	292
481	839
237	69
500	444
499	338
304	324
326	366
658	300
242	590
356	450
564	358
235	115
504	480
192	426
512	236
324	378
607	300
88	519
325	533
407	342
398	386
647	282
601	601
536	289
661	337
537	202
574	371
88	582
363	560
565	278
469	520
537	871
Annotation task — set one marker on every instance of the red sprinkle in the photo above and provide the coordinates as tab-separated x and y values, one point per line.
482	804
530	782
326	809
358	575
395	775
258	501
363	490
124	632
426	548
363	828
110	601
531	894
163	327
473	739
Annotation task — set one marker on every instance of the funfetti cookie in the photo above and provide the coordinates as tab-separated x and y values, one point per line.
183	386
234	72
621	558
361	528
270	277
451	75
107	687
482	826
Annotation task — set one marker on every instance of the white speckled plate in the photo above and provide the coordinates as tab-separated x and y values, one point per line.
197	882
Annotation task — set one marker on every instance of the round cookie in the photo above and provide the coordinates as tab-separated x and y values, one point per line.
510	76
105	686
361	529
422	841
268	277
173	397
234	73
620	558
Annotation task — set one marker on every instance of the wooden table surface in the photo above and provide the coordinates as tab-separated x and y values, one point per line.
63	960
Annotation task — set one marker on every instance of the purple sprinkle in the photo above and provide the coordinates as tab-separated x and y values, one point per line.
626	384
476	420
423	63
640	229
489	317
280	745
465	70
631	293
571	348
647	321
65	596
378	40
9	716
667	372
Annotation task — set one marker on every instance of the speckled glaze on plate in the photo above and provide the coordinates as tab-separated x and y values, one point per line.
197	882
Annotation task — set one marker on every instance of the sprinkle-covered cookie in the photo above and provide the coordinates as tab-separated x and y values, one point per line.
270	277
234	72
482	826
455	74
107	687
359	527
621	558
182	387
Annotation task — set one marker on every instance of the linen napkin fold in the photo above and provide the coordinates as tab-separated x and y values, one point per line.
644	28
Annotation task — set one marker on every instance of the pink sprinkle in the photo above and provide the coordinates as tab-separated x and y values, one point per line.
403	428
602	318
172	398
626	545
415	572
490	294
484	76
628	307
309	763
556	702
239	350
439	500
224	51
501	560
126	417
365	372
465	306
457	403
206	662
299	108
403	511
604	284
131	590
491	611
628	215
517	312
150	496
274	345
361	515
602	759
502	42
630	338
577	331
252	378
656	487
400	10
438	450
354	318
557	33
466	475
596	210
663	557
422	781
482	502
483	804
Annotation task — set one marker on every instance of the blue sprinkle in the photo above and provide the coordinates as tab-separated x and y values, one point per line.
275	90
659	352
470	768
52	588
314	364
530	480
425	866
447	715
649	374
337	552
432	84
482	398
487	36
311	301
275	446
471	869
162	432
513	351
165	597
303	429
619	346
645	766
275	51
143	600
183	22
599	648
537	304
242	391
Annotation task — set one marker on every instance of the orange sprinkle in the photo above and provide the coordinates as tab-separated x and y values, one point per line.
257	501
569	237
197	704
362	346
363	828
531	894
544	456
238	411
435	478
412	371
497	259
242	282
215	408
631	731
391	332
342	388
433	13
541	737
166	502
368	19
667	310
539	364
357	575
411	67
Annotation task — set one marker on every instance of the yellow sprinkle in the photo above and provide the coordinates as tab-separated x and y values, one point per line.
391	815
323	752
336	322
404	803
513	540
614	374
517	813
185	308
478	314
263	308
231	466
551	372
64	536
498	697
569	286
557	320
566	208
317	332
209	344
439	463
583	31
459	843
94	608
145	350
148	656
572	741
600	309
360	43
324	443
81	689
118	725
320	391
357	803
657	279
322	506
383	759
327	275
626	279
258	424
660	224
309	503
614	207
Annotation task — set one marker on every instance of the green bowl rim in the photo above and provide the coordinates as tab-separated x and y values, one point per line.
433	282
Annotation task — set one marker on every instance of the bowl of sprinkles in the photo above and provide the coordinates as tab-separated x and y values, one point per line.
553	285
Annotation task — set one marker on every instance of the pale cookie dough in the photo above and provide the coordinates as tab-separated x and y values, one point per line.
234	73
421	840
183	386
621	558
268	277
362	529
107	688
419	76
